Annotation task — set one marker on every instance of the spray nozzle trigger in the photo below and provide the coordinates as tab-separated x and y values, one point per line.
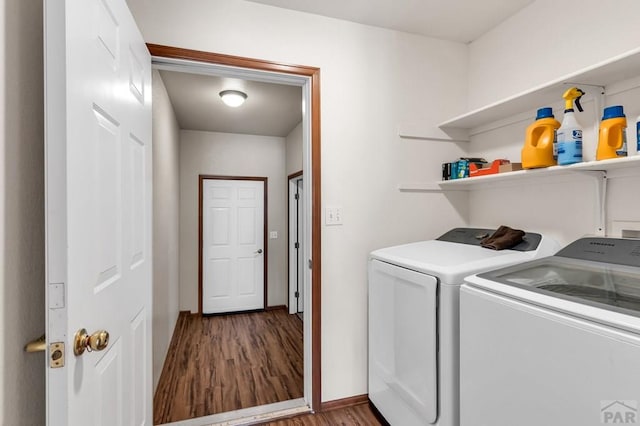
578	102
573	95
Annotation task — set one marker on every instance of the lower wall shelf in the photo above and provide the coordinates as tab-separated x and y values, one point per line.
468	184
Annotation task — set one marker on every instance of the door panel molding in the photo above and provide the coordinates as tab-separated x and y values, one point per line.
201	179
313	74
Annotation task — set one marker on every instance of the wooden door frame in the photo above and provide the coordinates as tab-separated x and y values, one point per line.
291	176
314	80
265	216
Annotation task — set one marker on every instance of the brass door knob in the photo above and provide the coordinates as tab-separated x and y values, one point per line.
90	342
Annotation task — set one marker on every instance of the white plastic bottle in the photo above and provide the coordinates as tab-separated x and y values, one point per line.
569	135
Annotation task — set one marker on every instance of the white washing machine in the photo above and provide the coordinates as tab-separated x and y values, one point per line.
413	320
554	342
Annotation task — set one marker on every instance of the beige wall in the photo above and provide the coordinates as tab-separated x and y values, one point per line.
536	45
228	154
372	80
22	304
166	201
293	146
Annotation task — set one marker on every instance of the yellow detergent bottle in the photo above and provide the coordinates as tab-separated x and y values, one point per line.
612	138
538	150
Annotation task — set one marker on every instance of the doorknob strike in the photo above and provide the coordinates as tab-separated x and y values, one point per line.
38	345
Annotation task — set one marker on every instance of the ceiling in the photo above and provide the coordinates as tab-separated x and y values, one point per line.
456	20
275	109
270	109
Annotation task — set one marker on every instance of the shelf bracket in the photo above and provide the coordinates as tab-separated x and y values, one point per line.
600	180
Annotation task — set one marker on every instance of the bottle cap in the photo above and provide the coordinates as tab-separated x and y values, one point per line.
613	112
545	112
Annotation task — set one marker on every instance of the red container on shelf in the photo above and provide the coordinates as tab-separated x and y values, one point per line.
494	168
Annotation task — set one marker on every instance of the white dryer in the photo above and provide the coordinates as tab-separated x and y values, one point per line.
556	341
413	320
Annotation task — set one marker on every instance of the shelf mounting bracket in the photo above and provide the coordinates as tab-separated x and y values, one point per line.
600	180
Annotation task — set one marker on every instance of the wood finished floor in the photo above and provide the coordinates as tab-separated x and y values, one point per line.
358	415
224	363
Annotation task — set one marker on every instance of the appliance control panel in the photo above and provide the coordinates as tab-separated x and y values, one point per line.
618	251
473	236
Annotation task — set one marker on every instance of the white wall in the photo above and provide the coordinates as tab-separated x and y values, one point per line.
547	40
371	81
226	154
22	305
529	49
293	150
166	202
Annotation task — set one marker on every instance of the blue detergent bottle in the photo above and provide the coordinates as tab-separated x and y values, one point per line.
638	135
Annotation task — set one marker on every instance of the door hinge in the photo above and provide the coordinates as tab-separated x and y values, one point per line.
297	245
56	355
297	294
310	264
297	197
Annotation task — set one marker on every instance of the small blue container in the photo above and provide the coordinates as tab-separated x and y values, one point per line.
638	135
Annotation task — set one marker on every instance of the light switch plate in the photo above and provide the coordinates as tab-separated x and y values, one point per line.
333	216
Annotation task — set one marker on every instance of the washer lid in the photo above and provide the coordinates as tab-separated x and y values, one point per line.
608	286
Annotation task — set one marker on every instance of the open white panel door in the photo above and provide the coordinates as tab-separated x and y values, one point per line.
98	214
300	257
296	245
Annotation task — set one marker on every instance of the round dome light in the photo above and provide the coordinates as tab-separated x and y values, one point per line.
233	98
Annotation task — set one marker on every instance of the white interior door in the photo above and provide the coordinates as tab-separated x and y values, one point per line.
233	249
98	213
296	245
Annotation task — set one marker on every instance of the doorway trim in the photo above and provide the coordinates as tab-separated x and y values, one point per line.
313	74
201	179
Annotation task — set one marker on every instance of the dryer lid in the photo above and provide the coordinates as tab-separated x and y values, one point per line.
452	262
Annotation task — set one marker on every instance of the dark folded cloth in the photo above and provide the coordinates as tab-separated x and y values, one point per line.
503	238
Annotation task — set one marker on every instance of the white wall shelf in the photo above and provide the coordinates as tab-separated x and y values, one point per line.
619	68
616	69
427	187
489	180
417	131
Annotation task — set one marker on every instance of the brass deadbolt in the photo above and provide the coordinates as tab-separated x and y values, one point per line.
90	342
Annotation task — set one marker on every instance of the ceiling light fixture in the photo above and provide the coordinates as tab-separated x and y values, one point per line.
233	98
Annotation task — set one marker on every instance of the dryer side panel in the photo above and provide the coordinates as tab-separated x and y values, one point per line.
403	344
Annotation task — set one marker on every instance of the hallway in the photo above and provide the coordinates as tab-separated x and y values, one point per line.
224	363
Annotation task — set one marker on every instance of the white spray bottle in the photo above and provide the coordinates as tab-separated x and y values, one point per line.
569	135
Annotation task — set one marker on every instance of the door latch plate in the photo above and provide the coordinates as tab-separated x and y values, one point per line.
56	355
